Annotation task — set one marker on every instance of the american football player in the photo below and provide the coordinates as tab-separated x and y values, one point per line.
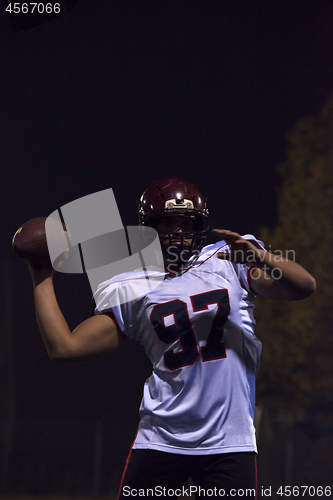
197	328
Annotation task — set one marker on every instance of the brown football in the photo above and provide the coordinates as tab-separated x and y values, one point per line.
29	242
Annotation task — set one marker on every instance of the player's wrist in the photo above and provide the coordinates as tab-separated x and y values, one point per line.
41	275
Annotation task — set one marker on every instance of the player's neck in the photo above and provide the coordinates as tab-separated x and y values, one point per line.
173	268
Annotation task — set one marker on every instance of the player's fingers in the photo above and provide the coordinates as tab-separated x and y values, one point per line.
61	260
223	256
226	234
224	231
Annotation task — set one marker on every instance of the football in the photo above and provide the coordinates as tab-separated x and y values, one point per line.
29	242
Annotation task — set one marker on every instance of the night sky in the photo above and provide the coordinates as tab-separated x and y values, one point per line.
120	93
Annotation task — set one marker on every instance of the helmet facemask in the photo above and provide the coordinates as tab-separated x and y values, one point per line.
180	247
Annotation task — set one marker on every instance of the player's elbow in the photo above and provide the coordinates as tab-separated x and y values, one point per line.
308	288
62	350
57	354
312	286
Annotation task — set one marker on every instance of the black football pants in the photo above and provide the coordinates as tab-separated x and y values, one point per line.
152	474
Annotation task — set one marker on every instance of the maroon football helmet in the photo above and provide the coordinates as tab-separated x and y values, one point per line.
176	197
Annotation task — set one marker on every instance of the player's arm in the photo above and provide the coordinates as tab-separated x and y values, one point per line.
274	277
281	279
92	337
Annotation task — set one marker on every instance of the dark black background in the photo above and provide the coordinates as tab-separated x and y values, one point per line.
120	93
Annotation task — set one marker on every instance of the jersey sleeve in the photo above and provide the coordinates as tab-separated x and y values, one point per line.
122	298
244	271
108	301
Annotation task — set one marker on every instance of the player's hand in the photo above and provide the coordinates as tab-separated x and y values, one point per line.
41	273
241	251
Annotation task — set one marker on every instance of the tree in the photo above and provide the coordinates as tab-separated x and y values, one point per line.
296	375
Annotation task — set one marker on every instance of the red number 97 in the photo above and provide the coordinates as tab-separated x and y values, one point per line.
181	328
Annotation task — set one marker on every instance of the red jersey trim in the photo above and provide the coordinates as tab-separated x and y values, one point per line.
126	465
249	277
210	256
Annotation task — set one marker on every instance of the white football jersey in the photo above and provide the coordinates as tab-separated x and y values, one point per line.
197	330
